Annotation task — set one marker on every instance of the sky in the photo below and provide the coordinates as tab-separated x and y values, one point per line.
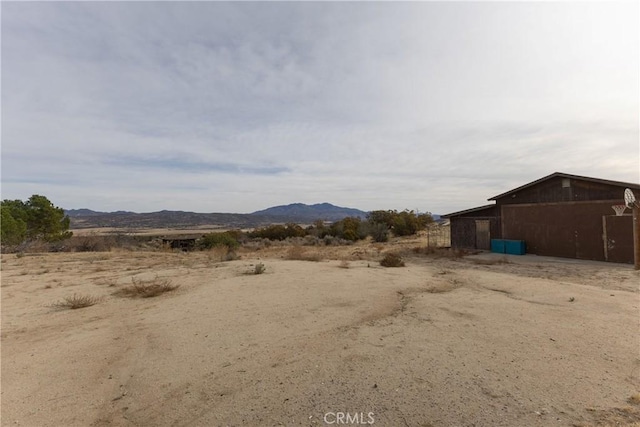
239	106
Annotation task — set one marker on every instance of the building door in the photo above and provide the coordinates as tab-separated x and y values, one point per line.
483	234
618	238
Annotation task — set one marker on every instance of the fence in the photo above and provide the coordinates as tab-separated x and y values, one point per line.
438	236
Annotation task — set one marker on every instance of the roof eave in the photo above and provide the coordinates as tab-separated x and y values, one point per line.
479	208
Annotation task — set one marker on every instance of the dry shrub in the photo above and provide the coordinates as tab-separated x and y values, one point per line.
425	250
298	253
392	260
90	243
344	264
101	243
147	289
76	301
258	268
221	254
442	252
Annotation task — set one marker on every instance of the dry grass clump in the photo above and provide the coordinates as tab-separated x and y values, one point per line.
147	289
392	260
75	302
298	253
634	399
502	260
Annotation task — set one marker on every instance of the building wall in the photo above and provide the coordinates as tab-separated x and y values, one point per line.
570	229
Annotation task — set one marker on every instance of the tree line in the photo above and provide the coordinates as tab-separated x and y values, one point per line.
38	219
378	224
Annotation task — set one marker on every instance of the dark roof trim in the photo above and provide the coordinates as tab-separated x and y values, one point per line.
479	208
566	175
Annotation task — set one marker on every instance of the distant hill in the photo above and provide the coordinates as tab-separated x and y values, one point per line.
302	212
297	212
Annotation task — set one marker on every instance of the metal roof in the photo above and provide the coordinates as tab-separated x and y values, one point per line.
566	175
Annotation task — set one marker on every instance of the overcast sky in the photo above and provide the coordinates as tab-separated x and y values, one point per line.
238	106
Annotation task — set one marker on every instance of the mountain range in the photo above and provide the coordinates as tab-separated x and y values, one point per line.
296	212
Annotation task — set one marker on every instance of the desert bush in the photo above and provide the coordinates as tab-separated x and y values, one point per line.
231	255
278	232
259	268
147	289
392	260
213	240
329	240
350	228
76	301
237	234
91	243
222	254
295	253
311	240
318	229
379	232
403	223
272	232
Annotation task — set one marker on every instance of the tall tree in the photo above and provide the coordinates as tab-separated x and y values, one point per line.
35	219
13	228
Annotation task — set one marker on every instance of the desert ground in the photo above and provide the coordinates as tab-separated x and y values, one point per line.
479	340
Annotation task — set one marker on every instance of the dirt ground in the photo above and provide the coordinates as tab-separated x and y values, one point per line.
483	340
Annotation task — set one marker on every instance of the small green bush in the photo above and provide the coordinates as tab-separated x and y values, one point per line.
214	240
403	223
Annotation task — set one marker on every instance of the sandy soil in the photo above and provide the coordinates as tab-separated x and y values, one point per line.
440	342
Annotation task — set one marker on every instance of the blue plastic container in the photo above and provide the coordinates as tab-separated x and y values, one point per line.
497	246
511	247
514	247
